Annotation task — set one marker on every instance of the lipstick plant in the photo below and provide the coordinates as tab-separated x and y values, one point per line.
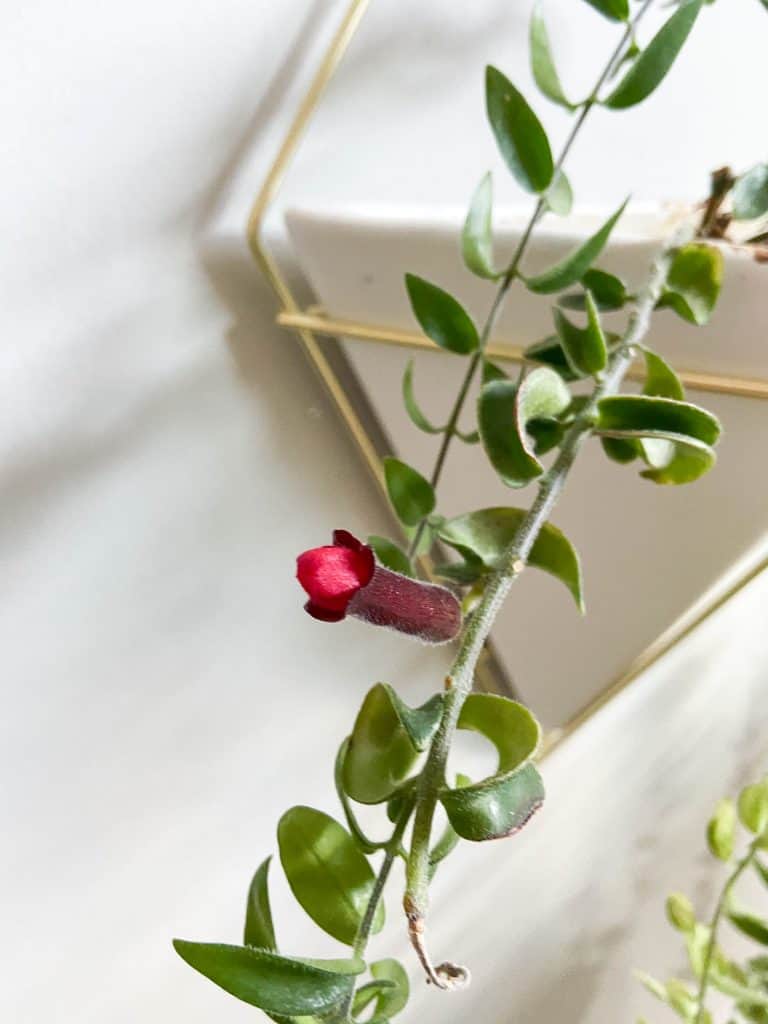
531	428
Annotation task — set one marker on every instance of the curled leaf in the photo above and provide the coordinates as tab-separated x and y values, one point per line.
477	235
259	930
608	291
501	804
504	410
585	347
486	535
693	283
543	63
385	744
520	137
415	414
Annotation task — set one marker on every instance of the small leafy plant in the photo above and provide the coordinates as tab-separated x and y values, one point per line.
531	429
745	850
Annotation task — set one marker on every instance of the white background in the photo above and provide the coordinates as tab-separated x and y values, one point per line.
165	452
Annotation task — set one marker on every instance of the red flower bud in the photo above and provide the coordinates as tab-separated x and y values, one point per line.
343	579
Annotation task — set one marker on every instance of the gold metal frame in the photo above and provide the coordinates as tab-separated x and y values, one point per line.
313	324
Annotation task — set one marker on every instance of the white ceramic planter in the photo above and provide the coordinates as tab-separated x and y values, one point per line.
650	553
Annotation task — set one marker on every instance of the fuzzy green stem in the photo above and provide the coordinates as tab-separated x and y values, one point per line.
514	265
479	624
722	903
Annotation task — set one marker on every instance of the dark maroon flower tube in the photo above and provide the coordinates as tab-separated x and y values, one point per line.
343	579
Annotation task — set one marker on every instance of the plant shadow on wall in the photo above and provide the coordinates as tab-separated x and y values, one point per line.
531	430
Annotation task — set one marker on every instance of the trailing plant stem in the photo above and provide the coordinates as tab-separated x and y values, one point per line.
512	270
722	903
479	624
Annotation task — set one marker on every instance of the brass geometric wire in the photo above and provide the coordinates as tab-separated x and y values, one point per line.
313	323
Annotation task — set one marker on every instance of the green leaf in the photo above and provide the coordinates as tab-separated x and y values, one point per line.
693	283
326	871
273	983
575	265
750	193
520	137
259	930
585	347
415	414
608	291
477	235
549	351
390	555
619	450
487	534
385	743
748	924
504	408
721	830
492	372
656	59
441	317
680	912
691	430
560	195
761	869
660	379
411	495
616	10
543	63
753	807
392	999
501	804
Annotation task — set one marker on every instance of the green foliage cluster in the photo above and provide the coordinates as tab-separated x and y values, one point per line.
744	983
395	756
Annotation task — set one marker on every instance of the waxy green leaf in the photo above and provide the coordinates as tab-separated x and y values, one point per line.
543	63
275	984
692	430
504	802
504	408
259	930
385	744
477	235
616	10
750	193
491	372
389	990
608	291
415	414
550	352
721	830
575	265
486	535
441	317
656	59
411	495
660	379
585	347
748	924
680	912
753	807
326	871
559	197
693	283
390	555
520	137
